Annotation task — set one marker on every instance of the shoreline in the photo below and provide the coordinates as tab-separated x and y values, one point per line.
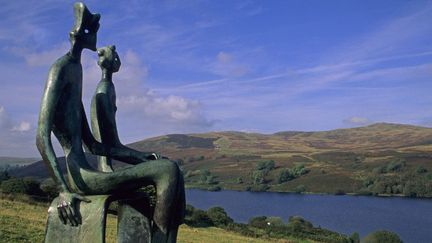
312	193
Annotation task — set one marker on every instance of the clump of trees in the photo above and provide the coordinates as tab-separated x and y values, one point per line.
36	189
292	173
209	181
207	178
263	226
394	166
265	166
215	216
412	183
27	186
258	176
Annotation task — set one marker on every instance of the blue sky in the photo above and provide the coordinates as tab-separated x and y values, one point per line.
254	66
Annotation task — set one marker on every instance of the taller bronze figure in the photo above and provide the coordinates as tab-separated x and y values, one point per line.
62	113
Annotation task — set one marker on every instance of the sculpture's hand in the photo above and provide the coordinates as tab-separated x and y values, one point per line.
67	209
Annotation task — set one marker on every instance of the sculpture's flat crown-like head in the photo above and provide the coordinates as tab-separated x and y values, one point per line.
84	19
85	26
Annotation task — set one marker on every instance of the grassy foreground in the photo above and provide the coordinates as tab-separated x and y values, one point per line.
24	222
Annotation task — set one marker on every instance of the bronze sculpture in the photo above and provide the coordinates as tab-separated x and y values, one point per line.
62	113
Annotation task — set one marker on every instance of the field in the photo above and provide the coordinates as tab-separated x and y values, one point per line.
24	222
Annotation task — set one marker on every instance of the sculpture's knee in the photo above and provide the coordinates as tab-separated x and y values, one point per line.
170	173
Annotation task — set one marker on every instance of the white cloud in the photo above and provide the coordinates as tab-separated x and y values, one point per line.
46	58
226	65
171	109
16	139
22	127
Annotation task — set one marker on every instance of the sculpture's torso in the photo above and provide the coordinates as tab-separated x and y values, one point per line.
66	72
104	129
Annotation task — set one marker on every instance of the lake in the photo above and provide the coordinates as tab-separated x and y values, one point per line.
410	218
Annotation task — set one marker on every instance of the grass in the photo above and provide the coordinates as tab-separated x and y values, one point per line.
24	222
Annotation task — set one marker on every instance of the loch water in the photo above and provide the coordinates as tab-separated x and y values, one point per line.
410	218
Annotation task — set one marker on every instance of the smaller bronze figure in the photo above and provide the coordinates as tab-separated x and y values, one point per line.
103	110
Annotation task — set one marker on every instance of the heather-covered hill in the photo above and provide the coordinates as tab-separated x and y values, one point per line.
379	159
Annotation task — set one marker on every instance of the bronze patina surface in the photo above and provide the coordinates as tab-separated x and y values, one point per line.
62	113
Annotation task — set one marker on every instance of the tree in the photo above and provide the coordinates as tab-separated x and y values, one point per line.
284	176
200	218
275	221
299	170
4	174
382	236
300	189
355	238
265	166
211	180
219	217
297	224
259	222
258	177
22	185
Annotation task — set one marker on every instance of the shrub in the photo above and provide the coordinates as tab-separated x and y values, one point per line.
298	224
265	166
299	170
382	236
300	189
275	221
199	218
4	175
207	178
355	238
284	176
258	177
219	217
395	166
259	222
22	185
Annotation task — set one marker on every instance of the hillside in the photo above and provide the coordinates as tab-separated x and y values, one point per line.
15	161
380	159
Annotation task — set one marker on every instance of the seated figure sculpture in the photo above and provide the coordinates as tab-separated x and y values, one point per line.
62	113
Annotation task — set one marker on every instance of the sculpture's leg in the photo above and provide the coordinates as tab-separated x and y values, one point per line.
164	174
92	229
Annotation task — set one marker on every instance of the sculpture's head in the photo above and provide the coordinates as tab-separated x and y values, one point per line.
84	31
108	58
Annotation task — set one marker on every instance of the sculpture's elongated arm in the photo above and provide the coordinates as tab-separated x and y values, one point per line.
118	153
106	118
51	96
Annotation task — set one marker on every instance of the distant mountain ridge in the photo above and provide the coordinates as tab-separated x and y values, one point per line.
336	160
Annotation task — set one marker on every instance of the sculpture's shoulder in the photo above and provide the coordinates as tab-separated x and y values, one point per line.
62	66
